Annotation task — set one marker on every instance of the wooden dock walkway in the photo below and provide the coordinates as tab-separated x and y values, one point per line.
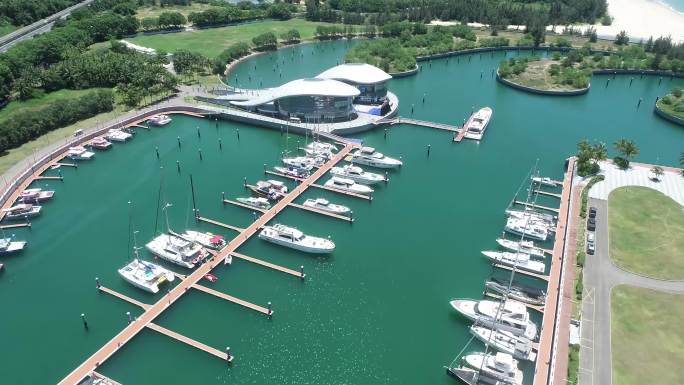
42	177
220	224
123	297
14	226
196	344
232	299
348	193
270	265
498	296
243	205
549	194
75	165
269	172
317	211
523	272
553	210
130	331
421	123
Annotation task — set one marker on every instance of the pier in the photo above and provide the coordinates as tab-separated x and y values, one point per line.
348	193
269	265
533	307
189	341
220	224
66	165
153	311
523	272
232	299
421	123
317	211
553	210
14	226
243	205
42	177
548	194
123	297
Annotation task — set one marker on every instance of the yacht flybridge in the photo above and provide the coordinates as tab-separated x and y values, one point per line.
477	124
370	157
177	250
519	260
322	146
527	228
544	181
471	376
117	135
304	162
505	341
510	316
291	171
501	366
145	275
100	143
547	220
357	174
271	189
159	120
345	184
8	246
295	239
79	153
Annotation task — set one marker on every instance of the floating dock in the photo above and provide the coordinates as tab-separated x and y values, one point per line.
220	224
421	123
523	272
123	297
232	299
60	164
322	212
195	344
553	210
14	226
270	265
41	177
548	194
243	205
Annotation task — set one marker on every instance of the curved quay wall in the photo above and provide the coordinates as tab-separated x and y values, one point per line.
531	90
668	117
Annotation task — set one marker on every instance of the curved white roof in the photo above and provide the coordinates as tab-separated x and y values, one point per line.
302	87
360	73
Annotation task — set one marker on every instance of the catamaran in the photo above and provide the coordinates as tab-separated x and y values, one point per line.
501	366
505	341
510	316
345	184
294	172
518	292
208	240
357	174
519	260
271	189
8	246
326	155
35	195
322	146
159	120
145	275
477	124
117	135
177	250
258	202
22	211
100	143
527	247
325	205
295	239
544	181
526	228
370	157
534	216
79	153
304	162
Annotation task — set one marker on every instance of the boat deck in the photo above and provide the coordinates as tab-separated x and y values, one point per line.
243	205
322	212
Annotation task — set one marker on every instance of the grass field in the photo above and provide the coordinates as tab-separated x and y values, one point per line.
646	230
670	108
155	11
647	339
210	42
31	104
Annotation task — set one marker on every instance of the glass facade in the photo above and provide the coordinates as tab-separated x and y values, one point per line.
316	108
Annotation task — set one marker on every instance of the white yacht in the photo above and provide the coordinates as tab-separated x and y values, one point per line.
510	316
21	211
326	155
291	171
159	120
322	146
345	184
79	153
471	376
177	250
505	341
527	247
117	135
325	205
295	239
258	202
145	275
357	174
370	157
208	240
520	260
271	189
477	124
544	181
8	246
100	143
534	216
526	228
304	162
35	195
501	366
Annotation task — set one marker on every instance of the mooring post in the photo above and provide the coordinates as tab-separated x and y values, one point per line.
97	282
270	310
228	356
301	272
223	196
244	182
200	153
237	130
639	104
179	141
386	176
198	133
631	80
385	133
178	165
156	149
220	144
85	323
428	150
264	168
130	318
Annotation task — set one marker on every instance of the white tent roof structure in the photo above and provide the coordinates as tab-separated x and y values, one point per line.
302	87
359	73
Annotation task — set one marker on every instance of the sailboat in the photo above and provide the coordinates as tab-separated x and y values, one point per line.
175	249
144	275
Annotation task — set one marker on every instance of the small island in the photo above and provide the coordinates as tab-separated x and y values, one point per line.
551	76
671	107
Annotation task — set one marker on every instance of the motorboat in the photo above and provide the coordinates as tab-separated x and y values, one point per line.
526	294
271	189
357	174
527	229
79	153
258	202
326	155
35	195
325	205
505	341
8	246
370	157
117	135
471	376
518	260
177	250
510	315
295	239
22	211
527	247
477	124
210	277
291	171
501	366
322	146
100	143
544	181
159	120
349	185
145	275
534	216
208	240
304	162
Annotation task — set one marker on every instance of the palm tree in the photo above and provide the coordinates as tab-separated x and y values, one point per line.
657	172
628	150
600	152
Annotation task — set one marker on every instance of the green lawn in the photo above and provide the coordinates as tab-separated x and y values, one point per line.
28	105
670	108
210	42
155	11
647	339
646	230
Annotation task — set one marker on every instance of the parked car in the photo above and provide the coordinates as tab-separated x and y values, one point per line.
590	248
592	212
592	221
591	237
591	226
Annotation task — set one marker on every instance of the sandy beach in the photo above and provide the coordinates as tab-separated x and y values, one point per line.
642	19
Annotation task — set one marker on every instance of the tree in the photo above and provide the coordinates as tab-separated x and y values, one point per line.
173	20
280	11
622	38
291	36
657	172
149	23
627	150
587	155
189	63
266	41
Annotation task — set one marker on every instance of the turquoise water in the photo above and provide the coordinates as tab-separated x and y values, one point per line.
676	4
375	311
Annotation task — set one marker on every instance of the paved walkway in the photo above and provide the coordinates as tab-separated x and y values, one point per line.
670	184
